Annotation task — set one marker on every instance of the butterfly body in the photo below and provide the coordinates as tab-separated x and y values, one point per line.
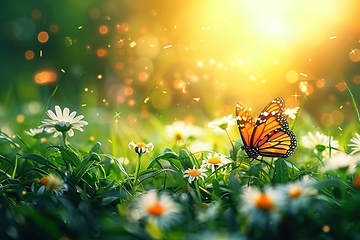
270	135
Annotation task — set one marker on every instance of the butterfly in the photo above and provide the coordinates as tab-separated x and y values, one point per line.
270	135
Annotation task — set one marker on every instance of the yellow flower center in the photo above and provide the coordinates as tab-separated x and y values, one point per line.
44	181
178	135
155	209
214	160
264	202
51	183
295	192
194	173
141	145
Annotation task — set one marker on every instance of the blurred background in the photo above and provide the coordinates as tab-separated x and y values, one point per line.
130	63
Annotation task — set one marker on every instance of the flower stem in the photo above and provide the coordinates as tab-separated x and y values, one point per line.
64	138
198	191
232	145
233	148
136	174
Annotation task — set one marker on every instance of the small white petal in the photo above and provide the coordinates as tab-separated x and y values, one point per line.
66	114
71	132
51	115
58	112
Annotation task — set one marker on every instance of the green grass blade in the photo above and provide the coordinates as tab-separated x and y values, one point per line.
47	105
354	103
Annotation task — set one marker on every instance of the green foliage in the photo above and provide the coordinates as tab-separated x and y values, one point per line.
52	191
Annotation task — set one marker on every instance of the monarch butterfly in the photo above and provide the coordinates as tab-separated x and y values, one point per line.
270	135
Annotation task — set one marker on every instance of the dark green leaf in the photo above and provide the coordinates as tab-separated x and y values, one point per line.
281	174
185	159
255	169
152	173
108	200
69	156
96	148
35	158
216	187
168	155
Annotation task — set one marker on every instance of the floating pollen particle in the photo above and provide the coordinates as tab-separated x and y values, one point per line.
132	44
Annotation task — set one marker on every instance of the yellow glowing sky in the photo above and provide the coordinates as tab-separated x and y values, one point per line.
209	53
256	48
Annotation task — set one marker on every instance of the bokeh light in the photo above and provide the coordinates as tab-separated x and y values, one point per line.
292	76
103	29
29	54
43	37
101	52
54	28
354	55
174	55
45	77
36	14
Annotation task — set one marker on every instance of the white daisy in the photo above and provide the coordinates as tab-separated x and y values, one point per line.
35	132
299	194
155	208
214	161
355	145
223	124
52	183
198	146
194	174
140	147
342	161
181	130
291	112
320	143
262	207
63	122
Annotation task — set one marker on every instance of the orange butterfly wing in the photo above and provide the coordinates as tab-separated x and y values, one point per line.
245	123
270	136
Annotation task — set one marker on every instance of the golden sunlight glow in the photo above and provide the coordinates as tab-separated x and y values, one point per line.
292	76
249	50
282	18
